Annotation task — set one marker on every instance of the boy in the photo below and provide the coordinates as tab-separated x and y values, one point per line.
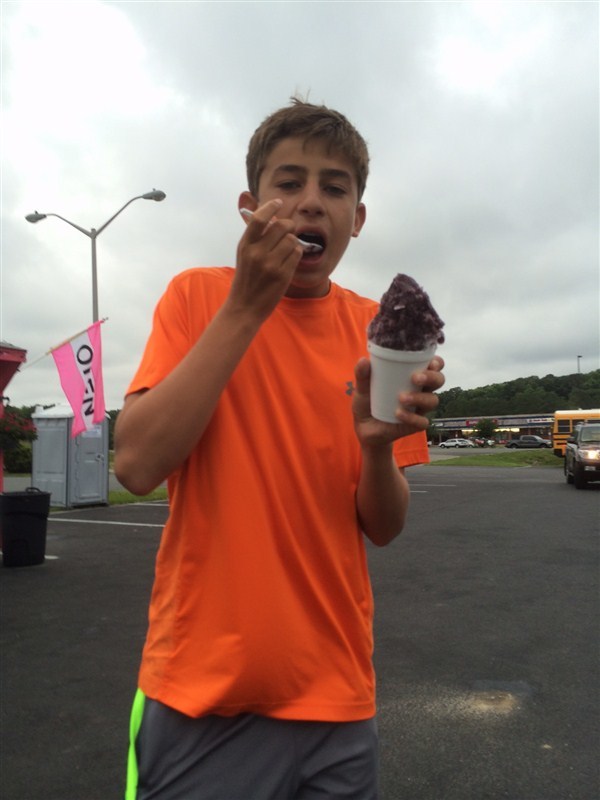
252	398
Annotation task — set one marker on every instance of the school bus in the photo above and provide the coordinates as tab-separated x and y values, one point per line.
565	421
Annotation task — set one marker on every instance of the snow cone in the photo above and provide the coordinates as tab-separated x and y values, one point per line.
401	339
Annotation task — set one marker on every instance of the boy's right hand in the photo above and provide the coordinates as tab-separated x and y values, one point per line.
267	256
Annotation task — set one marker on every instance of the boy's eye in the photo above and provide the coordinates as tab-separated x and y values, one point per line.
288	185
336	190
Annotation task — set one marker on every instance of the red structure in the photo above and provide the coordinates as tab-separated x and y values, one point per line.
11	358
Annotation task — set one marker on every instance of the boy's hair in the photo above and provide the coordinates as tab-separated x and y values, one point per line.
309	122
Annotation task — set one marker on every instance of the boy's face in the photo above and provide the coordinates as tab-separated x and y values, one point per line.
320	195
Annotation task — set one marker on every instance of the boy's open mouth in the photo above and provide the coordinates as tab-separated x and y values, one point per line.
313	242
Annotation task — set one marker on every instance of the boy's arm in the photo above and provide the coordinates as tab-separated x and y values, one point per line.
158	428
382	495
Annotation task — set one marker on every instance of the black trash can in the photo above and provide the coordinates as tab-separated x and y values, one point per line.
23	522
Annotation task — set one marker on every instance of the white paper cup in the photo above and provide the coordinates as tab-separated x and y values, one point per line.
390	375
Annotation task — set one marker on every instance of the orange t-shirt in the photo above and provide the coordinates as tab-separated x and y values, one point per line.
262	601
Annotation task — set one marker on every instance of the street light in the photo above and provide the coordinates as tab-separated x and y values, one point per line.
578	364
93	233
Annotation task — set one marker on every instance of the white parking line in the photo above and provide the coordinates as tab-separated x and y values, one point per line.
105	522
443	485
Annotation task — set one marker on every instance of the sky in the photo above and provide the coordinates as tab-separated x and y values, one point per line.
482	120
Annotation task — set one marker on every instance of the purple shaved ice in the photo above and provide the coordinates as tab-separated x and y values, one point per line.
406	320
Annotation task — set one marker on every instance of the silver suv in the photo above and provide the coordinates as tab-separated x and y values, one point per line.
582	455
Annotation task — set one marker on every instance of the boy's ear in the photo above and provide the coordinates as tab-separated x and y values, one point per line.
247	200
359	219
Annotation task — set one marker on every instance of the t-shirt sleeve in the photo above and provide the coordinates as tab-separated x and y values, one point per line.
411	450
168	343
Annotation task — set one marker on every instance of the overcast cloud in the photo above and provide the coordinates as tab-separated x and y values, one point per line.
482	122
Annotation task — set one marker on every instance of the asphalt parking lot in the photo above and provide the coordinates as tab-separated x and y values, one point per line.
486	630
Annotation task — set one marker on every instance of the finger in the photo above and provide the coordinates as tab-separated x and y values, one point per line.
273	232
264	214
361	397
412	419
259	221
362	373
290	254
419	403
429	380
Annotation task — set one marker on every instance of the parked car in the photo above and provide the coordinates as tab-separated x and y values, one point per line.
457	443
485	442
525	442
582	455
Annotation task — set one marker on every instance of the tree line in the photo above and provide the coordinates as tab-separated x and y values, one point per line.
531	395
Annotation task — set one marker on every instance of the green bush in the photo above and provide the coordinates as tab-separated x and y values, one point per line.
18	459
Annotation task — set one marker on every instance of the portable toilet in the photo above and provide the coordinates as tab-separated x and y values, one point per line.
73	470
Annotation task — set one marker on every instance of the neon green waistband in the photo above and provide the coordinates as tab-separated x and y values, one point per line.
135	721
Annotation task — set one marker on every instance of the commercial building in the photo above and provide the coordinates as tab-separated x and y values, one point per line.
507	427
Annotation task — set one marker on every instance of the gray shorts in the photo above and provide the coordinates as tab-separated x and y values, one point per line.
249	757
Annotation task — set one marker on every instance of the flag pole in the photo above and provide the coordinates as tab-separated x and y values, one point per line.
66	341
75	335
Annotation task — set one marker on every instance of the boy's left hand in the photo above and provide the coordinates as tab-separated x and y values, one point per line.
372	432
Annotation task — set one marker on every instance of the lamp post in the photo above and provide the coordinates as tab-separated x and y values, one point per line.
578	364
93	233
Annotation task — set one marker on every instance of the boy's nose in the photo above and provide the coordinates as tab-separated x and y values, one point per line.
311	202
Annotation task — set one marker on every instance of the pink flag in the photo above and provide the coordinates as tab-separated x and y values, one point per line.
79	363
